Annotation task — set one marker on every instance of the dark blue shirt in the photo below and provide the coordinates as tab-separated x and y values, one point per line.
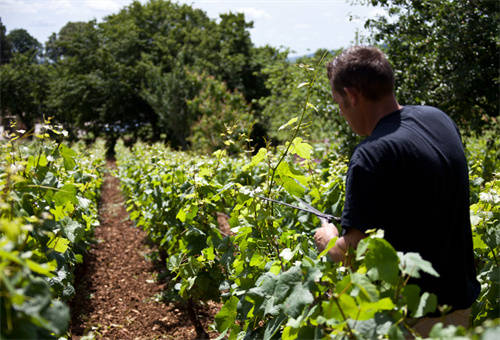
410	178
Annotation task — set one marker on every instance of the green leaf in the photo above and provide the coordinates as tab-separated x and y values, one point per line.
346	302
227	314
364	289
289	333
209	253
427	304
259	157
290	122
66	194
11	228
275	268
381	260
329	246
59	244
136	214
270	306
264	286
39	296
42	160
273	326
286	254
30	164
44	269
411	295
412	263
286	281
257	260
369	309
68	157
301	149
292	187
74	231
191	213
58	316
299	298
181	215
58	212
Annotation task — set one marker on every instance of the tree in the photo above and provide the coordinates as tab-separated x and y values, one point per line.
222	118
24	43
445	53
303	85
61	44
156	43
24	89
5	45
131	71
75	95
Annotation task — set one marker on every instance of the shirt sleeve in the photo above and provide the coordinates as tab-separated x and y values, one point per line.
361	195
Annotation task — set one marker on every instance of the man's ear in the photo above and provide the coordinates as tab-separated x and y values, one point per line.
352	94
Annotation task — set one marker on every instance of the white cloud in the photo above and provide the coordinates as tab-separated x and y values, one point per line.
302	26
12	6
253	13
104	5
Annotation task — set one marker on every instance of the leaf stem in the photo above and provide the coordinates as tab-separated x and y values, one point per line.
296	131
351	334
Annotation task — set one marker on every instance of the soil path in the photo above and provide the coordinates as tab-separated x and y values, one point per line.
117	293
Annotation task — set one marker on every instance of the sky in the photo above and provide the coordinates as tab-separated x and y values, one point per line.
303	26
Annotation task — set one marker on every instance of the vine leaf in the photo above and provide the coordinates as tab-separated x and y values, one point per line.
227	314
412	263
259	157
427	304
380	258
66	194
290	122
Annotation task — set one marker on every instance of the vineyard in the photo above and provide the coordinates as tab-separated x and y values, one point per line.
164	197
221	242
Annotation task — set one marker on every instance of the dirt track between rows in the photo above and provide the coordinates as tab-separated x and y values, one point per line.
118	294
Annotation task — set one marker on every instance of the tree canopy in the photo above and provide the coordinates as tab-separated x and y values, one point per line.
24	43
445	53
151	69
131	72
5	45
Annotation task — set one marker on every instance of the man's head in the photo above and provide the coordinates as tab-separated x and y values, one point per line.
362	84
365	69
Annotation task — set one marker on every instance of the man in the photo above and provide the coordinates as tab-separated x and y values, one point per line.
409	177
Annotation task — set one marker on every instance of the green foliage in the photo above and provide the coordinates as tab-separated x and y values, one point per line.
445	53
222	117
5	45
266	271
24	89
129	72
48	209
64	44
24	43
484	161
289	83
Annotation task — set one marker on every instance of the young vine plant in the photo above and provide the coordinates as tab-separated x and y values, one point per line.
266	270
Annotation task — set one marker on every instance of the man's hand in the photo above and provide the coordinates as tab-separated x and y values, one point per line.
328	231
324	234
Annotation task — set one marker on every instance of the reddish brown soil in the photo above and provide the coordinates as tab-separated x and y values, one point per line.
117	291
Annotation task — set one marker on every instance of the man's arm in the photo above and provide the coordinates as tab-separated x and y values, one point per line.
338	253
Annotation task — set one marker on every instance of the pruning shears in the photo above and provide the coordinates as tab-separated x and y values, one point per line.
308	208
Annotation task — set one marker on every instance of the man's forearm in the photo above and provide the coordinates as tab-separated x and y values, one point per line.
339	252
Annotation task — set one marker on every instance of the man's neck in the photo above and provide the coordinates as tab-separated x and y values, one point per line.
379	109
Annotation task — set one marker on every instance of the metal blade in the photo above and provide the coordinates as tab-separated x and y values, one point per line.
308	209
